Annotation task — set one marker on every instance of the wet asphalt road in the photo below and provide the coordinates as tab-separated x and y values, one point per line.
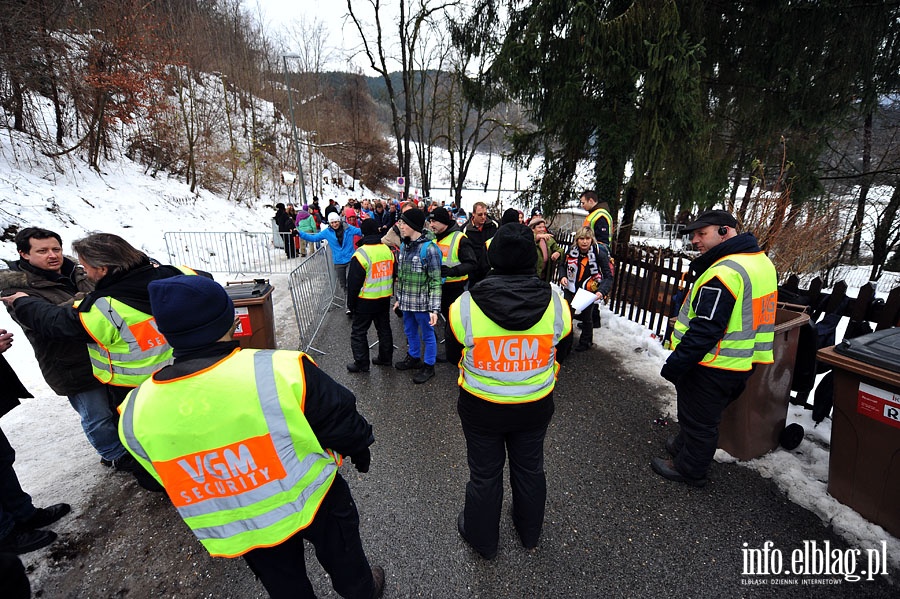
612	527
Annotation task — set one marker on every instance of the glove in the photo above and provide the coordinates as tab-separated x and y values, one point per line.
361	460
670	373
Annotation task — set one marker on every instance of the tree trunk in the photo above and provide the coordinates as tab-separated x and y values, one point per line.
864	187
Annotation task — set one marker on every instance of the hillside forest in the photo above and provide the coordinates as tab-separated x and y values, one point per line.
785	112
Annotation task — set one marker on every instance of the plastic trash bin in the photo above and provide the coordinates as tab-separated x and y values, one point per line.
253	308
864	462
752	423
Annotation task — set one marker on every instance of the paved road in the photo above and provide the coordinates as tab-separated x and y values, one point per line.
613	529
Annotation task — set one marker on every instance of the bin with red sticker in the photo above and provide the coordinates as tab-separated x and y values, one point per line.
864	463
255	313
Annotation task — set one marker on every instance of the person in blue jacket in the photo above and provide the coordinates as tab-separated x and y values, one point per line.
340	237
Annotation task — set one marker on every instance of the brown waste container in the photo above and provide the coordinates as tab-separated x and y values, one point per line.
253	308
752	423
864	461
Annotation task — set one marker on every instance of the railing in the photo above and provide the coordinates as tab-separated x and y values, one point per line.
312	286
243	252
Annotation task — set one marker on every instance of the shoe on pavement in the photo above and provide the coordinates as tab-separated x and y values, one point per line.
425	373
126	463
671	447
26	541
45	516
378	577
408	363
357	367
666	469
461	527
379	361
583	347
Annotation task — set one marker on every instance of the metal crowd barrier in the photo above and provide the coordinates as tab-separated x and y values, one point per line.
312	286
234	252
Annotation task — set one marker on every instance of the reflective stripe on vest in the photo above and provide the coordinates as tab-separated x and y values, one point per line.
750	334
378	262
505	366
243	473
449	246
128	346
591	219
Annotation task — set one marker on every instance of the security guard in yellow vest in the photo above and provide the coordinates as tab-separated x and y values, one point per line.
599	218
514	330
114	320
370	282
460	261
725	327
247	445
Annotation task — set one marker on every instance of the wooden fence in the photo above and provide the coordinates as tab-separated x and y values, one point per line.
647	278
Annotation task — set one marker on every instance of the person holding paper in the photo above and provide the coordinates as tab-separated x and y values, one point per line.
586	267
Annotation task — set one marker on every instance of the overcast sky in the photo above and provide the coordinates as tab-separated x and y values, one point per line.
282	16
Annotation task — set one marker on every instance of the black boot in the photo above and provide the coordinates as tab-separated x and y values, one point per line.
408	363
425	373
379	361
358	367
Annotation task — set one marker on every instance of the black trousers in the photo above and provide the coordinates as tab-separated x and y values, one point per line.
335	535
703	394
359	342
486	451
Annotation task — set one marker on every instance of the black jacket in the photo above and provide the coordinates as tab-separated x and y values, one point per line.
516	303
64	363
479	238
356	277
704	333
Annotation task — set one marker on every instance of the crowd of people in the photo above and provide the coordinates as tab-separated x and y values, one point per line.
247	443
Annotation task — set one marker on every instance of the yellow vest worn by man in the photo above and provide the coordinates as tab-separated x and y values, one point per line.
750	335
128	346
449	246
591	219
378	262
233	449
505	366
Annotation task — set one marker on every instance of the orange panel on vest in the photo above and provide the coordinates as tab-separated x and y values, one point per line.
764	309
513	353
221	472
383	269
147	335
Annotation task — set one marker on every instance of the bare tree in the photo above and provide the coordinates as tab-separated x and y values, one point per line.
412	18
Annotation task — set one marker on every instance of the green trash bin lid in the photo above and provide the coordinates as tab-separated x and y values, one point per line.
881	348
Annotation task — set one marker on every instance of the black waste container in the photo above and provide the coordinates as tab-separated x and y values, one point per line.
864	462
751	424
253	308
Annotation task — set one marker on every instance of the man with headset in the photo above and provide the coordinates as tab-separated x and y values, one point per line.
725	327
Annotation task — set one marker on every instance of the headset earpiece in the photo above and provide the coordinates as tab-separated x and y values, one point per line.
723	231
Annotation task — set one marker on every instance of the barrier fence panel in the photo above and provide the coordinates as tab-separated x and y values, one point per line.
242	252
312	286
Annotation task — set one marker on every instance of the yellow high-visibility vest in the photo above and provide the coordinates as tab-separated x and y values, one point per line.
233	449
378	262
591	219
750	335
449	247
505	366
128	346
